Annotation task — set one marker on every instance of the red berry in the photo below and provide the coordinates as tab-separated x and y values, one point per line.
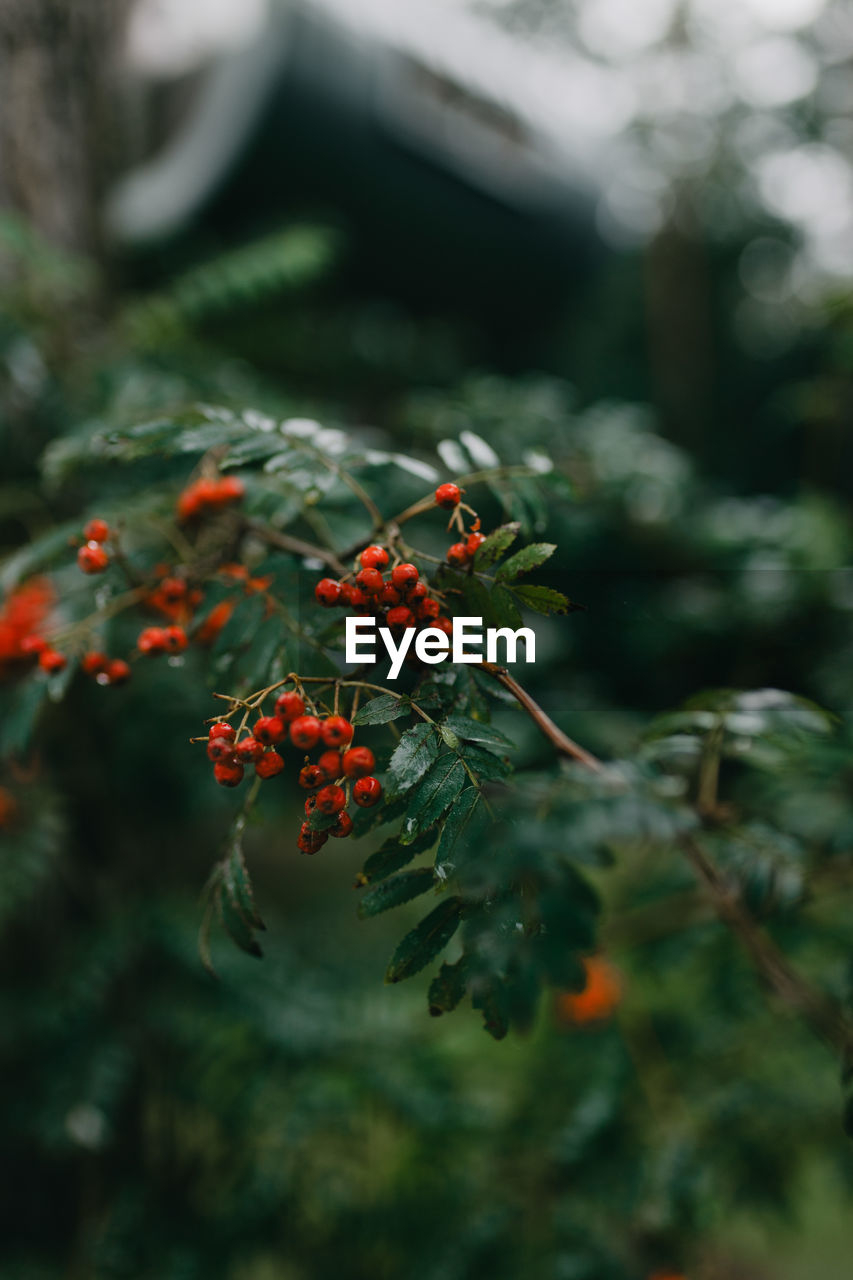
457	555
228	489
358	762
249	750
367	791
173	589
310	841
389	595
416	593
343	826
269	730
328	592
374	558
96	530
331	799
51	661
305	732
404	575
189	503
151	640
336	731
311	776
228	773
118	671
174	639
220	749
94	663
222	729
288	706
448	496
445	625
92	558
370	581
269	765
310	805
427	610
330	765
401	616
33	645
473	541
356	598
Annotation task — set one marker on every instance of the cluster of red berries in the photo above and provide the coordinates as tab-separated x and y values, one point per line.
209	494
338	762
92	558
401	596
449	496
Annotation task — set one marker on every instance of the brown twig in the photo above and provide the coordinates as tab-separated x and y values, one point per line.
561	741
296	546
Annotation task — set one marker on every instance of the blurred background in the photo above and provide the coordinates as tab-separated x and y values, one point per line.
616	232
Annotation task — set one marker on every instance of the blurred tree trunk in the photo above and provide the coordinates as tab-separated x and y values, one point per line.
58	136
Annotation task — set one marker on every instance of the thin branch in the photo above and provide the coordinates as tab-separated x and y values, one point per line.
561	741
296	546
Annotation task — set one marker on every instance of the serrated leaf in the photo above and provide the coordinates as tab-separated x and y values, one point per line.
234	923
396	890
496	544
238	885
486	764
473	731
529	557
390	857
426	940
413	755
438	790
457	820
504	609
544	599
448	986
383	709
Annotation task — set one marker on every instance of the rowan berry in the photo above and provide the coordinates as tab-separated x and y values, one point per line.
331	799
269	730
444	624
220	749
401	616
416	593
51	661
305	732
310	805
448	496
92	558
173	589
358	762
473	541
404	575
228	773
174	639
96	530
374	558
389	595
357	599
367	791
289	706
249	750
93	663
311	776
229	489
330	765
33	645
118	671
427	610
370	581
222	729
336	731
151	640
457	555
269	765
328	592
312	841
343	827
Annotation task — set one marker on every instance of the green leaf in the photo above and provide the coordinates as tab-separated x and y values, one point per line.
544	600
383	709
486	764
413	755
234	923
390	857
457	820
504	609
396	890
489	997
238	885
496	544
523	561
439	789
426	940
448	986
20	707
474	731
